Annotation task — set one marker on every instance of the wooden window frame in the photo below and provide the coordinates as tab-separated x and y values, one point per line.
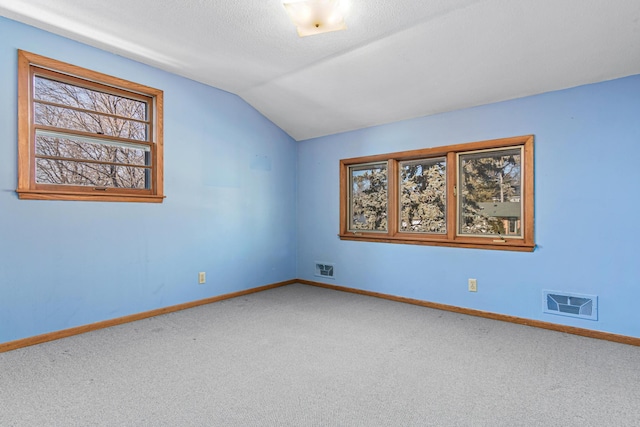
30	64
451	238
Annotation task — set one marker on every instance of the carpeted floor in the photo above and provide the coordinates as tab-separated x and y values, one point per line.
307	356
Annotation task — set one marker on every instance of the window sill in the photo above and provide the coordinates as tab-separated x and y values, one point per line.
87	197
508	245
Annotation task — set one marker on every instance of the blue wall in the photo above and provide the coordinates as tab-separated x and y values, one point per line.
230	183
233	191
587	191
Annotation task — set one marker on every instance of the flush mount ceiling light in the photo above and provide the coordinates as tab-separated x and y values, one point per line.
316	16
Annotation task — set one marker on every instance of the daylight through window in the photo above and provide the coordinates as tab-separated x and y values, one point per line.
477	195
87	136
490	193
368	197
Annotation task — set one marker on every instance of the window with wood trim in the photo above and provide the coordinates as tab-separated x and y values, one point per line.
474	195
83	135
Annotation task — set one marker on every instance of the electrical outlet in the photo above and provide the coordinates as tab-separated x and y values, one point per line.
202	277
473	285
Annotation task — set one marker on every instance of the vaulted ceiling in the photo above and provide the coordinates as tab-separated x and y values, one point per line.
397	59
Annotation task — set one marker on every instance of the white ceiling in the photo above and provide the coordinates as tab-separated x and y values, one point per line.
398	59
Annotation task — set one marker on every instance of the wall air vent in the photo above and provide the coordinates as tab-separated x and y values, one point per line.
569	304
324	270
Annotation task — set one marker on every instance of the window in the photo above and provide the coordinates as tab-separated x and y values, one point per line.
368	207
423	196
83	135
475	195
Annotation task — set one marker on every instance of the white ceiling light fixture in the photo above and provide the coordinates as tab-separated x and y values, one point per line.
317	16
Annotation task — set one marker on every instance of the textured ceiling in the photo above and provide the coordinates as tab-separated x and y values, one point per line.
398	59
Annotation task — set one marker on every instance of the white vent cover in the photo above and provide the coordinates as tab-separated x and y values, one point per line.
570	304
324	269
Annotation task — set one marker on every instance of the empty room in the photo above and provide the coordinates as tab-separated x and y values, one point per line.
319	213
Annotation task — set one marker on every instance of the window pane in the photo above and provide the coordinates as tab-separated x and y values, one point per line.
368	198
66	118
88	99
66	172
423	196
84	149
490	185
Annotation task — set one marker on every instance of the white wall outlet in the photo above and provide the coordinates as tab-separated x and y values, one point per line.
202	277
473	285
